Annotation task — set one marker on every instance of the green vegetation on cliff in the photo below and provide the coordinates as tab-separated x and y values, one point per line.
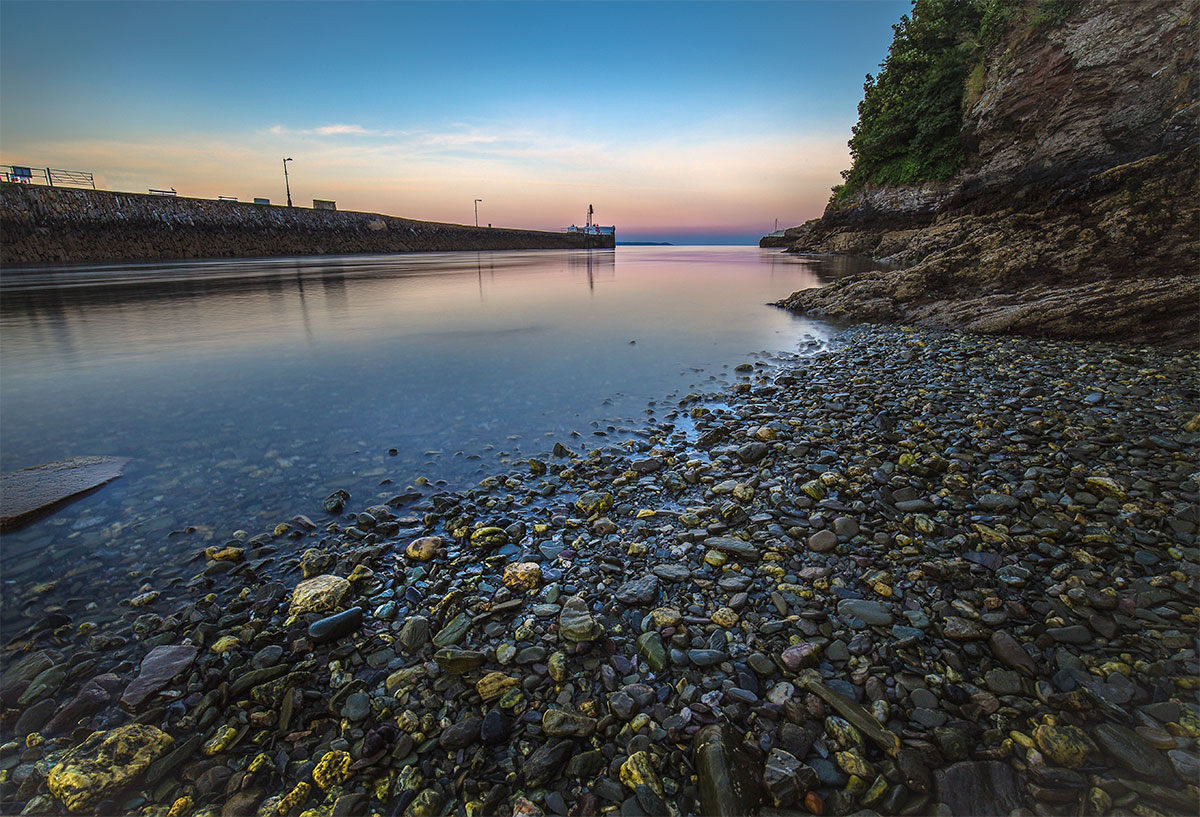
911	113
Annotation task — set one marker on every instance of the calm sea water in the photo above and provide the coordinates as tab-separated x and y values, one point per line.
245	391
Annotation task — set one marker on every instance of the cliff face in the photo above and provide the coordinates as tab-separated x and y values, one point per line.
1076	214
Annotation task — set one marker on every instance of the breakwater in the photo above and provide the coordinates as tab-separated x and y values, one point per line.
51	225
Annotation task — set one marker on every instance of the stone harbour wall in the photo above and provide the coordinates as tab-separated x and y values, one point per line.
52	225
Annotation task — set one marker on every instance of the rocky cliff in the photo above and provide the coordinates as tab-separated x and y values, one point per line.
1075	215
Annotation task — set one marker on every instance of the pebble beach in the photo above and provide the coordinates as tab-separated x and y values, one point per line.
915	573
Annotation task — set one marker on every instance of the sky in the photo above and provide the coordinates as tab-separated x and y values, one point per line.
688	122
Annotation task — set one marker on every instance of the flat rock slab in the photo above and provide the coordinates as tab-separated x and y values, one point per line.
158	668
32	493
978	789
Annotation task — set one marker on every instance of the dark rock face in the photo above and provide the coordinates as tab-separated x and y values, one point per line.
978	789
1076	214
729	782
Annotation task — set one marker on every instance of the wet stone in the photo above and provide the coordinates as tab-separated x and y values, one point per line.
728	777
872	612
457	662
319	594
357	706
705	658
267	656
576	623
462	734
638	591
336	626
961	629
1003	682
735	548
1133	752
978	789
105	763
787	779
547	762
1074	634
558	723
1009	651
415	633
495	728
671	573
651	647
822	541
1064	744
159	666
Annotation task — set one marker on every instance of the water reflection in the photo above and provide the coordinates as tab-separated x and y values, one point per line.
247	390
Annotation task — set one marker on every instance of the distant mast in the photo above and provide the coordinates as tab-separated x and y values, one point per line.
593	229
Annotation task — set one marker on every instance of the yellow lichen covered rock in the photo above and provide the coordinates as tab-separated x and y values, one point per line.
225	643
639	770
225	554
725	617
105	763
423	549
1106	487
494	684
220	741
295	797
665	617
360	573
1064	744
319	594
523	576
488	538
594	502
332	769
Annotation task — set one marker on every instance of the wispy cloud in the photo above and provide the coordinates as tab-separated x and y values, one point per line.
339	129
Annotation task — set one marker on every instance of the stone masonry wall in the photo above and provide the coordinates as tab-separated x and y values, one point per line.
52	225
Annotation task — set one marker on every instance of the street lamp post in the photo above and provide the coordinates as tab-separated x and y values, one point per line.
477	211
287	186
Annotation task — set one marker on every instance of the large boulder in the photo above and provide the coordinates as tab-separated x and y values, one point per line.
728	776
320	594
106	763
576	623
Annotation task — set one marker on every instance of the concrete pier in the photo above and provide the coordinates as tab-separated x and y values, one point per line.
56	225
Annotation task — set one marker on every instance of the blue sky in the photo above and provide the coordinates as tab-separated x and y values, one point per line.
678	121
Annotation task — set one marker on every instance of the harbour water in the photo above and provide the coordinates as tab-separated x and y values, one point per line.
245	391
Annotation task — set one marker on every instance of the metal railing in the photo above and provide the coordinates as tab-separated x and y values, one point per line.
47	175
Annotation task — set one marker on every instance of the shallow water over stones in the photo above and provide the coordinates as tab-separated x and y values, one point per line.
567	697
247	392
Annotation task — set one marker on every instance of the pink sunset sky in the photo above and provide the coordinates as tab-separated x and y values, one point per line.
678	122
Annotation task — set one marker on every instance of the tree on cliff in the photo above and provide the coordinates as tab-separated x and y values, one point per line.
911	113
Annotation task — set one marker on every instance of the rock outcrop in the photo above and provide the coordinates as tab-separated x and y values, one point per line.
1076	214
